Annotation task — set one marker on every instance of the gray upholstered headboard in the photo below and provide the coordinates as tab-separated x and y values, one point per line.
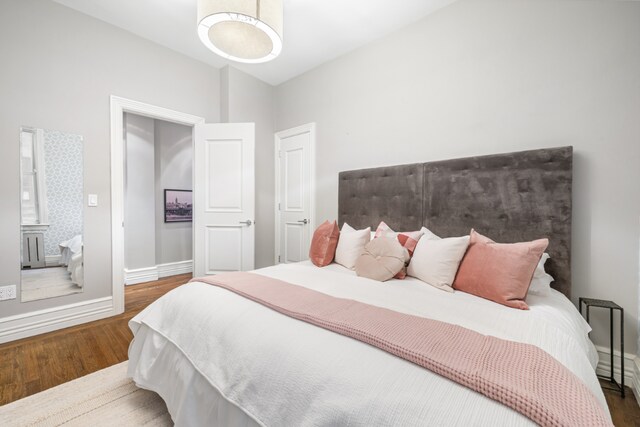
508	197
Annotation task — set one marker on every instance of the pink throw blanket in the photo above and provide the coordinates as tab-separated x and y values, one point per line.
521	376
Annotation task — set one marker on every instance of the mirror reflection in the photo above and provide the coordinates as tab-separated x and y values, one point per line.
51	192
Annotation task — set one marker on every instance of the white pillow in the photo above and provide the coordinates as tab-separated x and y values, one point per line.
541	281
428	234
351	245
435	261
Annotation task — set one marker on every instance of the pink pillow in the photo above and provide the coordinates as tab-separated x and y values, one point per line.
500	272
324	243
408	240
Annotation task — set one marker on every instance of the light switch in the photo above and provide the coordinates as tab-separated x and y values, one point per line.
93	200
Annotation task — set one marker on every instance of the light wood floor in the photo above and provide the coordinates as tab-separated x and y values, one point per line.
50	282
34	364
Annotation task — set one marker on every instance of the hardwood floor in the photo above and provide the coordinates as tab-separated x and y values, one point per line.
34	364
625	412
37	363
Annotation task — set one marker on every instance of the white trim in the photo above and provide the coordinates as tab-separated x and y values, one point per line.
635	383
43	203
631	368
604	365
140	275
34	228
119	106
149	274
309	128
41	183
51	319
52	260
175	268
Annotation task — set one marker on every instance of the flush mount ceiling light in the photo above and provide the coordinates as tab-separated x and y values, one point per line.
241	30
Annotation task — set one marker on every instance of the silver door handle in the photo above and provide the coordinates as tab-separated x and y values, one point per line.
304	221
247	222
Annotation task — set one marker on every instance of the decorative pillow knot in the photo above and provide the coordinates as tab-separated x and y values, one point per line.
382	259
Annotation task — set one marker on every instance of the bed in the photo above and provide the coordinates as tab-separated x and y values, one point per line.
217	358
71	256
69	248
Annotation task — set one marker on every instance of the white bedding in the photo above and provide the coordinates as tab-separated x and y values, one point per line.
70	247
76	269
219	359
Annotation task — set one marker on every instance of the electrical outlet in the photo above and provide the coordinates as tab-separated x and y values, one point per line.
7	292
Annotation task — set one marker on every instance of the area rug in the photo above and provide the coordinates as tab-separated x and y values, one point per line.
104	398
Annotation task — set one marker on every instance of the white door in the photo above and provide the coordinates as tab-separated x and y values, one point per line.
223	205
295	193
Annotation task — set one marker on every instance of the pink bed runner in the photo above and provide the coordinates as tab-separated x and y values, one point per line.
521	376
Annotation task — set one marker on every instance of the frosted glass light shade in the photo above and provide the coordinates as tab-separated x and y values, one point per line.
241	30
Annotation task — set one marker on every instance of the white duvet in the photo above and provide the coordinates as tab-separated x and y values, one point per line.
219	359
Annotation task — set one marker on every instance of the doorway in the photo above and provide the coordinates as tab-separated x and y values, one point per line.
158	198
120	106
222	161
295	192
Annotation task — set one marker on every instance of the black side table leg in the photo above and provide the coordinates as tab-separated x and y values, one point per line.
621	351
613	379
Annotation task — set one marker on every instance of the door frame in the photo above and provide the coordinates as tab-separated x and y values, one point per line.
309	128
119	106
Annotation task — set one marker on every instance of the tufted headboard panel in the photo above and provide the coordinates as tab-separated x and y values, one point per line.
508	197
390	194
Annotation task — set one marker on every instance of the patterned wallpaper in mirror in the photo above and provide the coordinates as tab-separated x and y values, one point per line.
52	213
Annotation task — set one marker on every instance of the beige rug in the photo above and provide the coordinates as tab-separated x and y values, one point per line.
104	398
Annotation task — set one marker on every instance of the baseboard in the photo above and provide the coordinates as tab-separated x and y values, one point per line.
635	384
149	274
52	260
140	275
51	319
175	268
631	368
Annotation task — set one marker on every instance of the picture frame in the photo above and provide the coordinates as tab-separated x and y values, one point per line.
178	205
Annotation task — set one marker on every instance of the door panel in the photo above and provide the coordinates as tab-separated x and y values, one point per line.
223	170
294	179
224	249
294	239
223	187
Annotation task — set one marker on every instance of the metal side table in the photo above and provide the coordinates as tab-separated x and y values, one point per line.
591	302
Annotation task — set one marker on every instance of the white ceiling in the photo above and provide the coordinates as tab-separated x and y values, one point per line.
315	31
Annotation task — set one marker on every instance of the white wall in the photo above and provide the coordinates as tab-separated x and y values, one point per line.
139	199
58	70
497	76
174	170
247	99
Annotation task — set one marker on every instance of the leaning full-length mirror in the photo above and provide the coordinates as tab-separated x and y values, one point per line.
51	193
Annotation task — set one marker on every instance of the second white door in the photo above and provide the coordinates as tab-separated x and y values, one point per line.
223	208
295	193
